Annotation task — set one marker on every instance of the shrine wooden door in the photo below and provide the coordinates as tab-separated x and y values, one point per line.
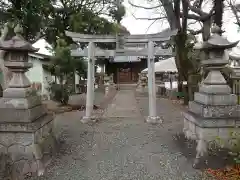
124	75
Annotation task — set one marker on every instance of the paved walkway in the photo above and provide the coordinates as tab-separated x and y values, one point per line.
120	147
123	106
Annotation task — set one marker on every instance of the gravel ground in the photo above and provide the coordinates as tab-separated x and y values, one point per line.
80	99
121	148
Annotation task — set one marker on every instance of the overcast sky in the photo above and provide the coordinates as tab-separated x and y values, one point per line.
142	26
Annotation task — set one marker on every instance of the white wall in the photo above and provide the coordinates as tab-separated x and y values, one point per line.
35	74
38	75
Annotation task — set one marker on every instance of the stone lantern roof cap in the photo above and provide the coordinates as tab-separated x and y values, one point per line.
17	43
216	41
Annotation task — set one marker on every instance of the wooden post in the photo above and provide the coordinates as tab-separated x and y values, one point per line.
152	118
90	83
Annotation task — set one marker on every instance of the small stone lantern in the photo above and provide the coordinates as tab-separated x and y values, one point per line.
106	83
142	82
111	79
25	126
214	113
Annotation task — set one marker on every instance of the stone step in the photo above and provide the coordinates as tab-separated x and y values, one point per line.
127	86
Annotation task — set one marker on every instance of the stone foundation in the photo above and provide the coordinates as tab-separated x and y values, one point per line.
154	120
212	118
217	131
26	148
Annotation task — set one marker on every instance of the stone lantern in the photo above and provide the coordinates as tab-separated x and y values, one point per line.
26	136
142	83
106	83
214	112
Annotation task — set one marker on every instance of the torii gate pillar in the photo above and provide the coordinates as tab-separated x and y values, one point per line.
152	118
90	84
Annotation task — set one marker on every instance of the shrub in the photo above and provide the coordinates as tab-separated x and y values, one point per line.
233	145
59	93
232	172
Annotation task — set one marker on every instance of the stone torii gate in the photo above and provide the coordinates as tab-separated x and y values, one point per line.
150	51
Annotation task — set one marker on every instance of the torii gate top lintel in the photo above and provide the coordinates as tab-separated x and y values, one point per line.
127	40
139	38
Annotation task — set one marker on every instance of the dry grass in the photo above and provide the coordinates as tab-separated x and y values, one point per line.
228	173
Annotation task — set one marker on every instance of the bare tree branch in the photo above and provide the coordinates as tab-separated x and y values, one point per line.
193	22
185	14
144	7
200	15
150	19
195	9
150	25
192	16
234	9
198	3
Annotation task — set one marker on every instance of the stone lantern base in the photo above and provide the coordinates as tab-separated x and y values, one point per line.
212	118
211	130
26	148
142	89
108	88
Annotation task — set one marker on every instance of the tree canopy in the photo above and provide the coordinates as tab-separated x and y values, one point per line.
50	18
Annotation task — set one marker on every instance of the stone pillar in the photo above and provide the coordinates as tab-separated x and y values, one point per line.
152	118
26	136
90	84
214	113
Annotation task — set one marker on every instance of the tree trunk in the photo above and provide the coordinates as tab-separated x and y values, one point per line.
182	62
206	29
6	74
218	8
169	10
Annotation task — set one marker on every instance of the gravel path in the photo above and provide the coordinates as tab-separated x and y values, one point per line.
120	147
123	106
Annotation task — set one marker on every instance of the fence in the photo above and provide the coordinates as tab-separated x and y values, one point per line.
236	88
